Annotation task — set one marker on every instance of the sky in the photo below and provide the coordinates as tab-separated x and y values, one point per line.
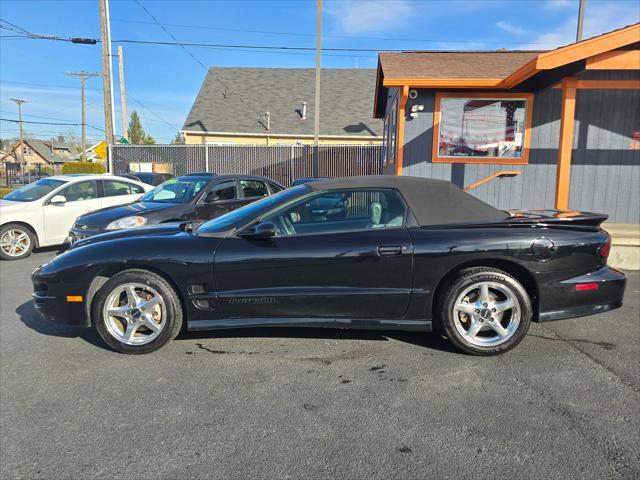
162	81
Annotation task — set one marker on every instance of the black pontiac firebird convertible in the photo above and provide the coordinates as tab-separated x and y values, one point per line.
364	252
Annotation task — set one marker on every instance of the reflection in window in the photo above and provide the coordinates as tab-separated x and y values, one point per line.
340	211
474	127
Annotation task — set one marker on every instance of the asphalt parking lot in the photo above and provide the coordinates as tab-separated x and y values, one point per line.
298	403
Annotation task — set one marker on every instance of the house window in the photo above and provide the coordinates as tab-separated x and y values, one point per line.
482	128
27	151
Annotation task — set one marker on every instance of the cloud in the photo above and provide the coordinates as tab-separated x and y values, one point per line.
599	18
559	4
366	16
511	28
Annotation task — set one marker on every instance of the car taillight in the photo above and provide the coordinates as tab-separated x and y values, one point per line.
605	249
582	287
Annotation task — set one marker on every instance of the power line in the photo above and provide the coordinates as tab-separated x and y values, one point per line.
300	34
51	123
170	34
142	105
183	45
198	61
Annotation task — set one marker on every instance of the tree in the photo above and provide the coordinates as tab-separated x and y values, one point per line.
137	135
178	139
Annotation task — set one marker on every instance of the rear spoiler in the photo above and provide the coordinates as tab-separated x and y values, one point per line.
562	217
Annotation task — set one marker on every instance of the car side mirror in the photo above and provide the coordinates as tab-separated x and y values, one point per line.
260	231
58	200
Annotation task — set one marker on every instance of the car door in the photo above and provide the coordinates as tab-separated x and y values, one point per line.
219	199
119	192
81	197
352	261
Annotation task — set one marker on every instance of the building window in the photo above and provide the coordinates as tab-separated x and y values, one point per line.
482	128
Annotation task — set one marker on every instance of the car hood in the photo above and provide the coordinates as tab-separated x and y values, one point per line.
160	230
8	206
104	216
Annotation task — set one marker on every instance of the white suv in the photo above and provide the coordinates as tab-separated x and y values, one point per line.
41	214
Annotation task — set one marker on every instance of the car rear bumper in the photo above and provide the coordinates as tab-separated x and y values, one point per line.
595	292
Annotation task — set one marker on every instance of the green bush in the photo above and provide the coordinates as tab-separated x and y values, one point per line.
47	170
82	167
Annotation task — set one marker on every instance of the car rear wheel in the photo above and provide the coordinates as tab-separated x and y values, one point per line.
16	242
485	311
137	311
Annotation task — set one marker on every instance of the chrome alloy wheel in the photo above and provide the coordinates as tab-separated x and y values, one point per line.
487	314
15	242
134	313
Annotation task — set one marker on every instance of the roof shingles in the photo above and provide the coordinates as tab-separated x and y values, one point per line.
235	100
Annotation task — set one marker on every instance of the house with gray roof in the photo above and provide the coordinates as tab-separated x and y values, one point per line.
275	106
31	153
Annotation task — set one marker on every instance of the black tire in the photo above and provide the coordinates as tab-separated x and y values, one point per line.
172	303
467	279
19	230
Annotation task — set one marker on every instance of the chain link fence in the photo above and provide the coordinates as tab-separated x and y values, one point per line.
283	163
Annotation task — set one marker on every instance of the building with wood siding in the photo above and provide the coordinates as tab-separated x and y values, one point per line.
551	129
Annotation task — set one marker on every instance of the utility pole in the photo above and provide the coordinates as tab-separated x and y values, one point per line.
83	76
107	73
580	20
123	97
316	120
19	102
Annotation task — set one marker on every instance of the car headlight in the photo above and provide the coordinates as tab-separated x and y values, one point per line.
127	222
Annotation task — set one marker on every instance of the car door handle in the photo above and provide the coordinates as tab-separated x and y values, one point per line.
390	250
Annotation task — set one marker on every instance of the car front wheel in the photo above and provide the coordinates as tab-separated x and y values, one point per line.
137	311
485	311
16	242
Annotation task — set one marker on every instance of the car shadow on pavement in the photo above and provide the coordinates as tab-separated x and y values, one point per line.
31	318
431	340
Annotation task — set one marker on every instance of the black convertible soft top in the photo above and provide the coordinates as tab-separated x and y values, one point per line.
434	202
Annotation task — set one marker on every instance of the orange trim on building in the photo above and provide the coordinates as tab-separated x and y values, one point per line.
589	48
443	82
615	60
565	149
435	158
404	95
504	173
605	85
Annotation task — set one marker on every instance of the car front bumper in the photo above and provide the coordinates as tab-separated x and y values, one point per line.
77	234
57	302
595	292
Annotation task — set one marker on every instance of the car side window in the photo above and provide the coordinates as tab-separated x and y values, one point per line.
254	188
87	190
224	191
113	188
275	188
342	210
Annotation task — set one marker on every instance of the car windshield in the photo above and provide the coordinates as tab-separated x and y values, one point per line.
34	191
176	190
246	214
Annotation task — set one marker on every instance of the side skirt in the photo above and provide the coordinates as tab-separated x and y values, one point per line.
227	323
